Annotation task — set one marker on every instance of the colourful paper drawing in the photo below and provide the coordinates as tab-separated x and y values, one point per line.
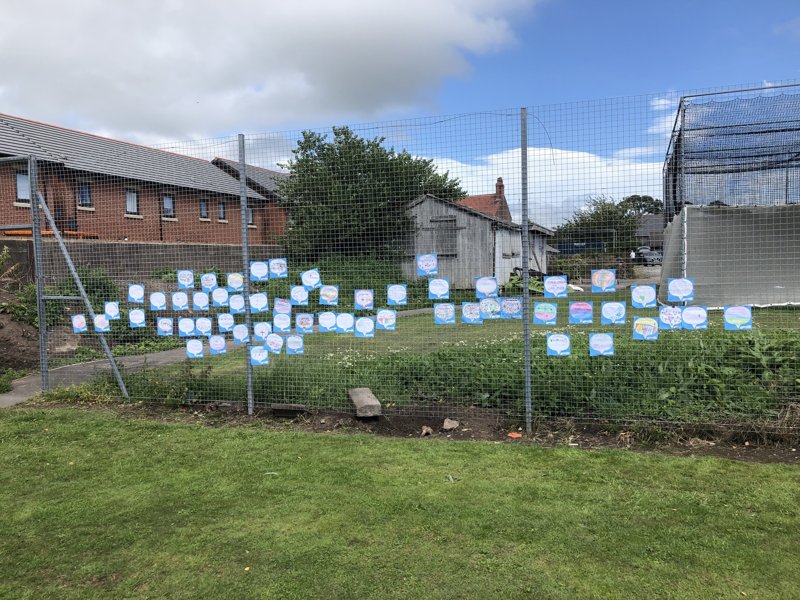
259	356
604	280
558	344
311	279
216	344
136	293
185	327
486	287
304	323
294	344
225	322
158	301
694	317
274	343
240	334
79	324
281	306
259	302
397	294
555	286
219	297
259	271
261	330
298	296
236	304
164	326
235	282
111	310
601	344
581	313
643	296
365	327
427	264
200	301
329	295
510	308
102	324
669	317
327	322
438	289
185	280
386	319
281	323
278	268
545	313
136	318
738	318
202	326
364	300
345	322
180	301
490	308
444	314
471	313
194	349
612	313
208	282
680	290
645	328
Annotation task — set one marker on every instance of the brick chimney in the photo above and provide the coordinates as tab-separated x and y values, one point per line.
499	188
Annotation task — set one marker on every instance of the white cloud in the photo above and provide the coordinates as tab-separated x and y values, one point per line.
170	69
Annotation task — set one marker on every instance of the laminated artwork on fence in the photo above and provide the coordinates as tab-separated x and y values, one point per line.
298	295
208	282
545	313
261	330
274	343
158	301
278	268
490	308
345	322
136	293
111	310
202	326
186	327
225	322
365	327
304	322
259	356
235	282
164	326
102	324
327	322
645	329
669	317
427	264
581	313
601	344
79	324
185	280
604	280
694	317
281	323
510	308
438	289
281	306
194	348
555	286
136	318
180	301
364	299
486	287
200	301
311	279
259	302
444	314
680	289
220	297
295	344
240	334
329	295
558	344
471	313
643	296
259	271
236	304
612	313
216	344
386	319
737	318
396	294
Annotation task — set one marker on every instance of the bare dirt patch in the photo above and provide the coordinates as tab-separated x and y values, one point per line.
19	343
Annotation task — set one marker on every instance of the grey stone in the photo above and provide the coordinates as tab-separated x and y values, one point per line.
450	424
367	405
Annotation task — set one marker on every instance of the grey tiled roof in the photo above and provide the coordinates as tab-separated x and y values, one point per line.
264	178
94	154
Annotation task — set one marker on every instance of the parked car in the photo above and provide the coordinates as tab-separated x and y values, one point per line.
651	257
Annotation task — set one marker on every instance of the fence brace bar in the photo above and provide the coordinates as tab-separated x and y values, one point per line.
526	306
245	270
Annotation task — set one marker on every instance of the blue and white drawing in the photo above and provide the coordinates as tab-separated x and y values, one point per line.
259	356
471	313
225	322
311	279
396	294
102	324
329	295
345	322
365	327
643	296
438	289
581	313
281	306
364	299
281	323
601	344
694	317
164	326
444	314
604	280
259	302
486	287
612	313
259	270
670	317
298	296
555	286
558	344
236	304
304	323
136	293
79	324
241	335
510	308
278	268
327	322
680	289
294	344
186	327
545	313
185	280
274	343
111	310
235	282
136	318
490	308
180	301
200	301
219	297
194	349
645	329
208	282
216	344
386	319
737	318
261	330
158	301
202	326
427	264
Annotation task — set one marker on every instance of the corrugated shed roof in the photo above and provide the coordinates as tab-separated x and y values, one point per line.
265	178
90	153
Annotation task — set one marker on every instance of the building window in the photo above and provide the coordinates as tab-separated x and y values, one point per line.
84	194
204	209
445	235
168	207
221	211
23	187
131	202
250	216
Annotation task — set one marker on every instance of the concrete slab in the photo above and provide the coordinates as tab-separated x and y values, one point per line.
367	405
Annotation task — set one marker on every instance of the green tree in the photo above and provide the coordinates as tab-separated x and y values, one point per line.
349	195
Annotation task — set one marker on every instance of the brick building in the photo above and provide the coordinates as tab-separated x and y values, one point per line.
115	190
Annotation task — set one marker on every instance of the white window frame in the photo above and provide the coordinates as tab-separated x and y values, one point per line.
79	196
131	193
207	215
21	199
168	217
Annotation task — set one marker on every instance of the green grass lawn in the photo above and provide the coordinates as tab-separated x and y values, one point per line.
96	505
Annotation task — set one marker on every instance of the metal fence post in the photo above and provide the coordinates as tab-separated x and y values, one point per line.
246	268
38	258
526	308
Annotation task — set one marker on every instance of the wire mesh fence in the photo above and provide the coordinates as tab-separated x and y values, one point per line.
516	263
